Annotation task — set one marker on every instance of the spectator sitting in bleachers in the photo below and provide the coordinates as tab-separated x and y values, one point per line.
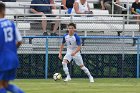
68	5
81	7
44	10
136	9
106	4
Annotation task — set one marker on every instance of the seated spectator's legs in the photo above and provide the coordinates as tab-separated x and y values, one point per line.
138	17
44	25
55	27
108	7
117	10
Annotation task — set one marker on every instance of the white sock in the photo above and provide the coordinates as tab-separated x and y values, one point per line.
86	71
65	68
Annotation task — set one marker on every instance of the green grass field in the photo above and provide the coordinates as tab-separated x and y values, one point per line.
102	85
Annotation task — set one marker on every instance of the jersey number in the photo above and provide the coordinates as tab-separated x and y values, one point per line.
8	32
70	43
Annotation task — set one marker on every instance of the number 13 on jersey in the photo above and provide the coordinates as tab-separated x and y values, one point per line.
8	32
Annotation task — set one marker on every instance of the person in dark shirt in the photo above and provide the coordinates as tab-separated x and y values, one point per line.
107	4
136	9
68	5
44	10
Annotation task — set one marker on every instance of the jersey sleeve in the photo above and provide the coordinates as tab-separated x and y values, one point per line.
18	35
78	42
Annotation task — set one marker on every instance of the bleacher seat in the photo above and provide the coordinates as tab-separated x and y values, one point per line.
94	19
100	12
16	8
108	28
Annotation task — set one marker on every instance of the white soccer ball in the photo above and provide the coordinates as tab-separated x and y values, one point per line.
57	76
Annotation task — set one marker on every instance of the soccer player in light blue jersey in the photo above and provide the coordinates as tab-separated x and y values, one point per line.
73	43
10	40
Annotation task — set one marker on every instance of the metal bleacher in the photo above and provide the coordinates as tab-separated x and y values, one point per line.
102	25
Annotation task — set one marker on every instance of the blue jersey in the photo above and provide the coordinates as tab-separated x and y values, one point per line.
8	50
72	42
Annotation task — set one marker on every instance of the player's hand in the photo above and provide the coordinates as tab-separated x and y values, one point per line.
73	54
60	56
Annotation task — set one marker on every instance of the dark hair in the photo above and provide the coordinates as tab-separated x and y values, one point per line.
72	24
2	7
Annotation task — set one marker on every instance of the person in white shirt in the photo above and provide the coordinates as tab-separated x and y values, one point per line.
80	7
73	43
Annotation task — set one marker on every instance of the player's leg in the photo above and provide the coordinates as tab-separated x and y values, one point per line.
67	58
85	69
11	87
2	88
79	61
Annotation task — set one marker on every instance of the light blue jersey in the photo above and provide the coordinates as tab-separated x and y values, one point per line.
72	42
8	50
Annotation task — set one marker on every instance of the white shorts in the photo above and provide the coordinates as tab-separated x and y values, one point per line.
77	58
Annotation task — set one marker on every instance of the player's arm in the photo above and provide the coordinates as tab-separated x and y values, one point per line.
18	38
18	44
60	51
61	48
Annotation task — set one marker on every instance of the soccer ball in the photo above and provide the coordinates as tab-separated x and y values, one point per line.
57	76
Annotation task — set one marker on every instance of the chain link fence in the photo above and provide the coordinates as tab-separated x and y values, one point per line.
105	56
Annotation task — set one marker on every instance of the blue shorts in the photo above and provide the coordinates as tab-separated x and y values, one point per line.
8	75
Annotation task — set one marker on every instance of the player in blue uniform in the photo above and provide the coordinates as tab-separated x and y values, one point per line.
73	43
10	39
